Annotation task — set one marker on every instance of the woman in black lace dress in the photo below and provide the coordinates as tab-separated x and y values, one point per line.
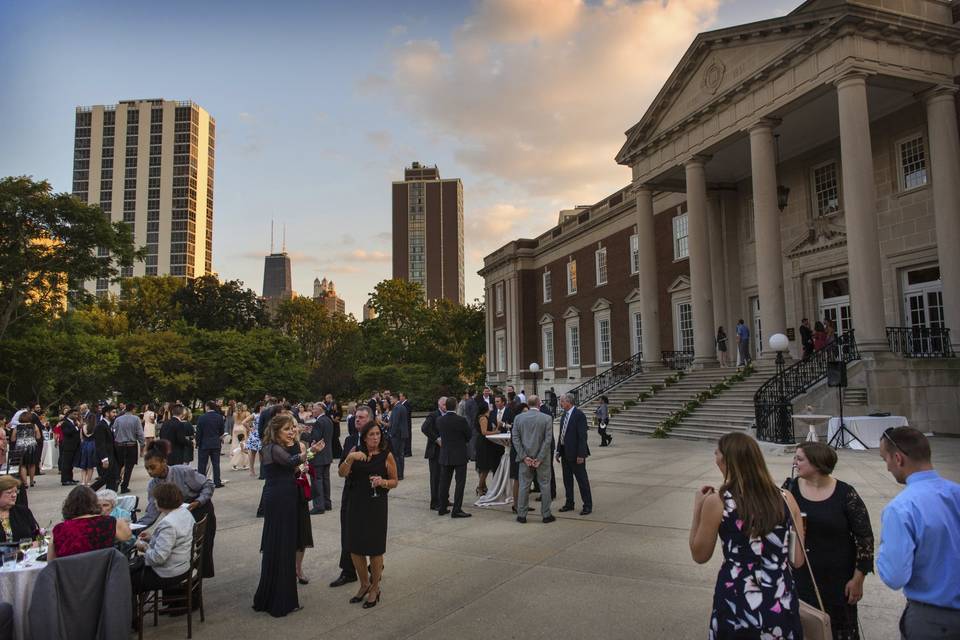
277	591
839	537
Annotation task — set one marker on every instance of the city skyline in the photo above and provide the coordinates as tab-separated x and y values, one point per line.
316	104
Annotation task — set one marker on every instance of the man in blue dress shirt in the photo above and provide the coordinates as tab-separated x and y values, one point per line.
920	538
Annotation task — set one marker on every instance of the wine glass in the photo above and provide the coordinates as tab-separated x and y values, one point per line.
373	480
24	544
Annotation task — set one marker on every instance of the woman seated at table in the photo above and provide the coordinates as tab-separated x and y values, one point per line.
16	521
107	499
166	551
84	528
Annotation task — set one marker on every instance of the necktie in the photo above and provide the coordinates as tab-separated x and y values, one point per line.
563	426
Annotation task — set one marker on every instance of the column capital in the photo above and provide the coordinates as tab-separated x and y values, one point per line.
939	92
851	76
697	160
763	124
642	187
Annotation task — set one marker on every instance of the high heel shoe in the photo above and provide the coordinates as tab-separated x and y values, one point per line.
303	580
359	598
369	605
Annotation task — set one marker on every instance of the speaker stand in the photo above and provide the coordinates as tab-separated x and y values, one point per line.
843	437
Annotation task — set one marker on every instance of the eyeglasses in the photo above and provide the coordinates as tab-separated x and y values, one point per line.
886	434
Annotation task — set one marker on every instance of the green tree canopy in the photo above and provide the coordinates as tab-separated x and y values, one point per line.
150	302
207	303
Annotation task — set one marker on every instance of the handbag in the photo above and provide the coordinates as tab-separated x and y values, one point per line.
304	485
815	622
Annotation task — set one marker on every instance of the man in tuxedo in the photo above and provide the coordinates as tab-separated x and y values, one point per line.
399	432
69	445
432	451
348	572
499	408
488	397
532	438
176	432
210	429
572	452
107	459
454	435
408	435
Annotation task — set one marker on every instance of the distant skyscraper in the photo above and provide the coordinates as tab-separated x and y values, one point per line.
428	232
276	277
325	292
368	312
149	163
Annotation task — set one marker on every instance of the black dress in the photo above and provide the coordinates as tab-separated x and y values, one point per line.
839	539
367	515
277	591
488	453
304	528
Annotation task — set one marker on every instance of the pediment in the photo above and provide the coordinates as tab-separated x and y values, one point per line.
571	312
600	305
682	283
633	296
546	319
822	234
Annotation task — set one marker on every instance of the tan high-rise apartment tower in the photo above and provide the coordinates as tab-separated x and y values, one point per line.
149	163
428	232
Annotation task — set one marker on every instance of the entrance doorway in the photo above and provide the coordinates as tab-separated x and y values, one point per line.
835	304
923	306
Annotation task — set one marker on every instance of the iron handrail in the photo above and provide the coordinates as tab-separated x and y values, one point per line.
773	407
603	381
920	342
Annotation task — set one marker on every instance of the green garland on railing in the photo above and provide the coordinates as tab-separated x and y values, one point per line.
675	418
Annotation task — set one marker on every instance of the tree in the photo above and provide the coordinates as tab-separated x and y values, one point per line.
48	248
149	302
397	333
156	366
207	303
458	332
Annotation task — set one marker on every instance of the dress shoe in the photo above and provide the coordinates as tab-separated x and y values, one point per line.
567	507
461	514
434	507
549	519
316	511
343	579
219	486
359	598
302	580
443	512
369	605
522	519
586	511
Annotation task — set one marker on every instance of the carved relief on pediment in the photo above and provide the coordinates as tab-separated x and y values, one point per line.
822	234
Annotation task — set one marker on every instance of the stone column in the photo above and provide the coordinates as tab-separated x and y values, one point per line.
717	270
701	284
860	212
763	162
945	175
649	293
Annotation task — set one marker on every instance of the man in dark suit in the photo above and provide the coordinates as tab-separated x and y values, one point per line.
572	452
454	432
107	458
399	432
175	432
322	429
407	435
544	408
432	450
210	429
470	413
348	572
69	445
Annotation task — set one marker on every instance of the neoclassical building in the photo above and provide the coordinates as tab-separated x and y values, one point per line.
800	167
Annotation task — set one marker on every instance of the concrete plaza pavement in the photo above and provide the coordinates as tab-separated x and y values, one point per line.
622	572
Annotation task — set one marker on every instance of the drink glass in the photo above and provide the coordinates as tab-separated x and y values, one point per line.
9	556
374	493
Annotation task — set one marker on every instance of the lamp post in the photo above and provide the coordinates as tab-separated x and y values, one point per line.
783	430
534	370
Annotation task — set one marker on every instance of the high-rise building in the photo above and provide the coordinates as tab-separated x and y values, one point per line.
368	311
428	232
324	291
276	277
149	163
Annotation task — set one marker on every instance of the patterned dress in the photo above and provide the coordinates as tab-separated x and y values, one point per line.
253	438
755	595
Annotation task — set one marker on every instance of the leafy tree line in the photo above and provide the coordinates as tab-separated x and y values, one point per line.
164	338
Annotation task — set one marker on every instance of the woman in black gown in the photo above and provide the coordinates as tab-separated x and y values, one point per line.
371	471
488	453
277	591
838	535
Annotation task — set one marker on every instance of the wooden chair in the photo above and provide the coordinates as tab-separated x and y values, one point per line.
190	590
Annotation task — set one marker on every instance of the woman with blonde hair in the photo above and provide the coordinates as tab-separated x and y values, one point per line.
240	434
755	595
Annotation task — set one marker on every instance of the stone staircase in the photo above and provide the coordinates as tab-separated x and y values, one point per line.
629	389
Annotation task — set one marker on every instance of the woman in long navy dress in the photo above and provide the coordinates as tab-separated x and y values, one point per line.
277	591
755	595
370	471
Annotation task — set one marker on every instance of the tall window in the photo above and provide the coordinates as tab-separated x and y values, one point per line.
634	254
913	163
571	277
417	235
547	287
547	346
604	351
573	345
684	326
498	295
637	333
501	351
826	189
680	232
601	260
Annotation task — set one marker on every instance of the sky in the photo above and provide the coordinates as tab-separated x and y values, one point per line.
321	105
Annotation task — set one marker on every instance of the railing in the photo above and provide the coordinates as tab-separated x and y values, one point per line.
920	342
612	376
772	402
677	360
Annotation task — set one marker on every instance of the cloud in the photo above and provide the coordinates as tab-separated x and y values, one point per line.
499	220
369	256
398	30
371	85
380	139
538	93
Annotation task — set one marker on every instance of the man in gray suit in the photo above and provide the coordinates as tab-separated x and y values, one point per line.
319	466
532	435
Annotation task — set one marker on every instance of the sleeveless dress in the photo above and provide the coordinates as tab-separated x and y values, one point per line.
367	514
488	453
755	596
88	452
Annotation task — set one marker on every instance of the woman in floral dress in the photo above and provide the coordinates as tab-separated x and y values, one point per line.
755	596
